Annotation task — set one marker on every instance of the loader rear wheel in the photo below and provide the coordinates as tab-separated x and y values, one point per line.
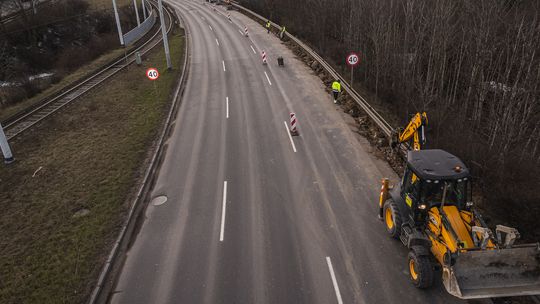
420	270
392	218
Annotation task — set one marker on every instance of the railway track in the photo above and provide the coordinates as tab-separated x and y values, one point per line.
27	120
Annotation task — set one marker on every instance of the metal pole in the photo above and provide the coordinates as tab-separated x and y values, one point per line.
352	74
137	12
164	33
120	35
4	146
144	9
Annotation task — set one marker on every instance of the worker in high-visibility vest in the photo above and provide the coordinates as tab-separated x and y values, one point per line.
268	25
336	89
282	32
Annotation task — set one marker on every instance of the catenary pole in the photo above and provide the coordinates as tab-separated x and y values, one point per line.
120	35
164	33
137	12
144	10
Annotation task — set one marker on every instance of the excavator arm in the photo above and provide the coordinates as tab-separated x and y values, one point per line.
414	132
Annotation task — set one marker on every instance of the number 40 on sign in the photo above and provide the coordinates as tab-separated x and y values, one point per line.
152	74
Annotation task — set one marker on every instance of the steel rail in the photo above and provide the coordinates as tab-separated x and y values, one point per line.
36	115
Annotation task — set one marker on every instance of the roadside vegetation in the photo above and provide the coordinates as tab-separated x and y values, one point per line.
43	46
67	194
472	65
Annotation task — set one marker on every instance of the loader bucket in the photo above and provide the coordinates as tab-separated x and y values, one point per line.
494	273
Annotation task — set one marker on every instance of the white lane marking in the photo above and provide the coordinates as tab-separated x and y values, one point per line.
241	32
223	65
223	211
290	137
267	78
253	49
210	27
227	107
217	42
334	281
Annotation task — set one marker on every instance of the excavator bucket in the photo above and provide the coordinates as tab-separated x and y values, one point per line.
494	273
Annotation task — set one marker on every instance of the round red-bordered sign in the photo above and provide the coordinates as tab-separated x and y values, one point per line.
353	59
152	74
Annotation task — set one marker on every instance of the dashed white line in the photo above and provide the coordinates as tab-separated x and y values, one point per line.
217	42
253	49
334	281
267	78
290	137
241	32
223	209
223	66
210	27
227	99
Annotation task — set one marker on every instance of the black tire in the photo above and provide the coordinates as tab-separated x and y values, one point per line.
420	270
393	225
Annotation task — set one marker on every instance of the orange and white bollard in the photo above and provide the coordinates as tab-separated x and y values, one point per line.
264	57
293	129
246	32
229	17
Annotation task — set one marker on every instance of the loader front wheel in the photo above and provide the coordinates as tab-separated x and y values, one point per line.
392	218
420	270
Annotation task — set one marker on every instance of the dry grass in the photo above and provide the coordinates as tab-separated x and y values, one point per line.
76	75
90	157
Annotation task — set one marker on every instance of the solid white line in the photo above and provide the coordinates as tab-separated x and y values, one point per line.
223	211
268	78
253	49
241	32
290	137
210	27
223	65
334	281
227	107
217	42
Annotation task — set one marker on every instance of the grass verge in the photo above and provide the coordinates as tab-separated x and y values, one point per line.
81	72
65	197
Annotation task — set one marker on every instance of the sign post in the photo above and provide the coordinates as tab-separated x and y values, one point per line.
352	61
153	74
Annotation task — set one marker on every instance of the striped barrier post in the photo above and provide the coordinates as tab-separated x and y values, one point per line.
246	32
229	16
264	57
293	130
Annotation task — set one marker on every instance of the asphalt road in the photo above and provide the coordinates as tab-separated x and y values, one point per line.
251	216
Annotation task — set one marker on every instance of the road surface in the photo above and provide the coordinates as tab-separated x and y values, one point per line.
254	215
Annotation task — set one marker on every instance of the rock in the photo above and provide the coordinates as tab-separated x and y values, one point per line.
315	65
81	213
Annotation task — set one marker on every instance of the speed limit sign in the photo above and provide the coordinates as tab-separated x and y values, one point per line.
353	59
152	73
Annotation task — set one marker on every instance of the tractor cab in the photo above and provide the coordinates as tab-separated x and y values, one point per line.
433	178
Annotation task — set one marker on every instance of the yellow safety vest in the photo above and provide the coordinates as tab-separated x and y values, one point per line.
268	24
336	86
283	29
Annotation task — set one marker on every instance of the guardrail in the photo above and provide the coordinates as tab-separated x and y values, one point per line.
385	127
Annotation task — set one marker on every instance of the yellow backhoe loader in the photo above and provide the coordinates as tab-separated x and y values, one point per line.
431	212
